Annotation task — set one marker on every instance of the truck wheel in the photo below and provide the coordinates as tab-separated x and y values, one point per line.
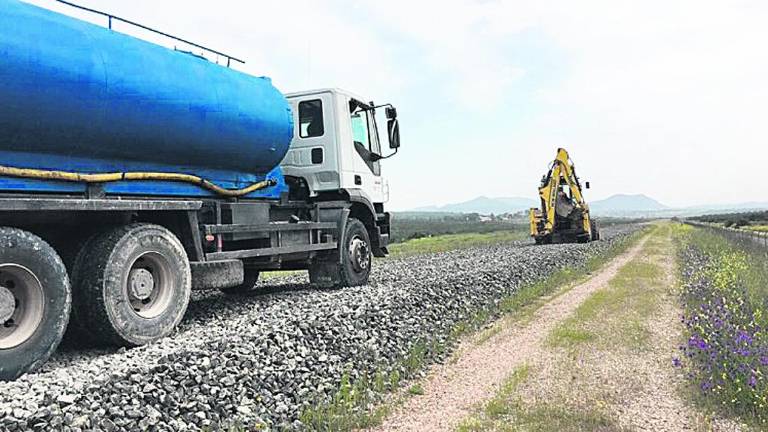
133	285
78	334
35	301
250	277
356	259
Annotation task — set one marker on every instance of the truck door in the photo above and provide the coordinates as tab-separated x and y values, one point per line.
313	155
365	140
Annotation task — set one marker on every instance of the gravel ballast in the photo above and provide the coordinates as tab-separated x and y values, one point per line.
261	359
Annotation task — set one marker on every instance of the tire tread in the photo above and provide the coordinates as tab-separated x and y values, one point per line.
91	266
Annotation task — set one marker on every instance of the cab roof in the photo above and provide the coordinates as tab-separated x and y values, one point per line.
326	90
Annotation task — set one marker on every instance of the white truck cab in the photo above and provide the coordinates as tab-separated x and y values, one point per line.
336	155
337	145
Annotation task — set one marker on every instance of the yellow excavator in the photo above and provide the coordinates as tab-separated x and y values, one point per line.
564	215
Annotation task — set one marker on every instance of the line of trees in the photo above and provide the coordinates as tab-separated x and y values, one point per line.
736	220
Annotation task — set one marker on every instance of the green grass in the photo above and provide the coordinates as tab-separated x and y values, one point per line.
752	273
555	418
759	228
350	407
500	406
617	315
494	408
570	336
416	389
507	412
412	226
443	243
345	410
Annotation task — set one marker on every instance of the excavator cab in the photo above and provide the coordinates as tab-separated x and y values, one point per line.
564	215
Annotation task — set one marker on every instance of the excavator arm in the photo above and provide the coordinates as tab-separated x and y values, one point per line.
544	221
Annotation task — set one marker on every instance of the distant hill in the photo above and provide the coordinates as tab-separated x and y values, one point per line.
626	204
483	205
621	205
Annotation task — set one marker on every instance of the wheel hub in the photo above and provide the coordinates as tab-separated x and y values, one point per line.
22	305
7	304
359	254
141	283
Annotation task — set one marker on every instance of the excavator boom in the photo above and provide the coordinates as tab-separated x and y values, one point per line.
564	214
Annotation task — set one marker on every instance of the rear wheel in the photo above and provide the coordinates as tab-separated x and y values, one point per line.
356	259
35	300
133	285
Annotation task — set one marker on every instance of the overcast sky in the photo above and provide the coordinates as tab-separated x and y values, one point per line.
666	98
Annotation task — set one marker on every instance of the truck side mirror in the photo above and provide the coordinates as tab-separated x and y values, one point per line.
586	185
391	113
393	129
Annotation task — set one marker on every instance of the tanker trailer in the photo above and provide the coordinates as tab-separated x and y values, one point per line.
132	174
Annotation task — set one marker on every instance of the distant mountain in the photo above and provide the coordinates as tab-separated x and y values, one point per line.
483	205
620	205
626	204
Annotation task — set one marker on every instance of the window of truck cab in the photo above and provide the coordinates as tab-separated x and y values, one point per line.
311	122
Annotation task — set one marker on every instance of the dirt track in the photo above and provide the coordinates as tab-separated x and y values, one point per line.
452	390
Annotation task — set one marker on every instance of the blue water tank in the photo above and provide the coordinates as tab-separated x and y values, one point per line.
78	97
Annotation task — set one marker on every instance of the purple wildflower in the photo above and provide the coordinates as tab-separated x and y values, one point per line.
752	381
742	352
744	337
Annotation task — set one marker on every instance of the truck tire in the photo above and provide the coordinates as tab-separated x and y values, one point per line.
356	258
250	277
35	301
132	285
78	335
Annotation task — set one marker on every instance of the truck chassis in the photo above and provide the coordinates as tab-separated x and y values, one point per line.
120	269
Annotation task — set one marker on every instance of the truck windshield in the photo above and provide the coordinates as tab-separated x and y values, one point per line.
364	130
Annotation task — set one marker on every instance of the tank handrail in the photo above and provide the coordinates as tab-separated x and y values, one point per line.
113	17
